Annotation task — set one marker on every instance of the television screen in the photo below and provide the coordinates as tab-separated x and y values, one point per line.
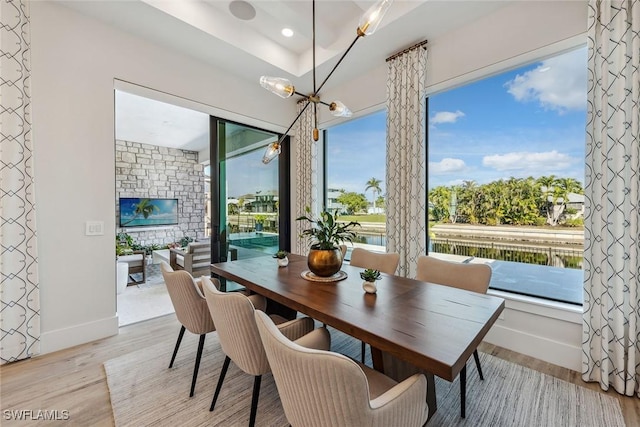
140	212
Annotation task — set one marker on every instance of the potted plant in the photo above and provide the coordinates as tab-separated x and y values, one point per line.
326	234
124	243
370	276
281	257
260	219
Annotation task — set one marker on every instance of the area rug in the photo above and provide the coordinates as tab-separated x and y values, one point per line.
145	392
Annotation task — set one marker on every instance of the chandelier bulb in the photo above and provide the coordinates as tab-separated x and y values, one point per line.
272	151
281	87
371	19
338	109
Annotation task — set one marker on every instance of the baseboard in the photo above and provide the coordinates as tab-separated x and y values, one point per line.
542	348
60	339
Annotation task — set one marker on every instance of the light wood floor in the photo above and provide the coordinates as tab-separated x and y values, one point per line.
74	379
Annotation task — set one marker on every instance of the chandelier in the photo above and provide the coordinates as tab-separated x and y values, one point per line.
282	87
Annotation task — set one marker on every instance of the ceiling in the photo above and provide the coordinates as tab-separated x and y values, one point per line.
243	38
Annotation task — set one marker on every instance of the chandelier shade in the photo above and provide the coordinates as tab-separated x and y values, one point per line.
282	87
338	109
371	19
273	151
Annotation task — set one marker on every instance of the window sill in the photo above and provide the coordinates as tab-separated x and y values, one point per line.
541	307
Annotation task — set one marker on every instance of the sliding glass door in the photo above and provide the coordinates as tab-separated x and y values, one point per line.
249	200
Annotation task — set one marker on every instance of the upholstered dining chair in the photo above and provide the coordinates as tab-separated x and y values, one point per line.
343	249
472	277
321	388
191	310
386	263
240	340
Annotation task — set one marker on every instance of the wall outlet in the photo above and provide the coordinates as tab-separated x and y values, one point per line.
94	228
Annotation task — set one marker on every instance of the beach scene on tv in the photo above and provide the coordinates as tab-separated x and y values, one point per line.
137	212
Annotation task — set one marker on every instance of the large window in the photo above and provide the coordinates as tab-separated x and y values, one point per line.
506	171
505	176
355	176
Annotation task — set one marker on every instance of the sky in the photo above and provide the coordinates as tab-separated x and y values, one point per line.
246	174
525	122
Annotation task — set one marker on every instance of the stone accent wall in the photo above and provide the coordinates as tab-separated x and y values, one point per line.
144	170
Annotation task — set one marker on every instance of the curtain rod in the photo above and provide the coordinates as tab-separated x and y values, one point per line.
407	50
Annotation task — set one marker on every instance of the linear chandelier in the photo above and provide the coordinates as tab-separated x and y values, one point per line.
282	87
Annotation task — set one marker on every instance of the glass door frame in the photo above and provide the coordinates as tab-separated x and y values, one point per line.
216	147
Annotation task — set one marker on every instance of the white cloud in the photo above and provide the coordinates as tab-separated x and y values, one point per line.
446	117
536	162
558	83
447	166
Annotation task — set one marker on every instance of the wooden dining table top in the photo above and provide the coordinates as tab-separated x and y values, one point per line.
431	326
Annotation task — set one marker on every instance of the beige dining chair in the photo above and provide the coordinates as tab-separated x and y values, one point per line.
240	340
343	249
386	263
191	310
472	277
322	388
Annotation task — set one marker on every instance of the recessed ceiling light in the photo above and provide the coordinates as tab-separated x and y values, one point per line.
287	32
242	10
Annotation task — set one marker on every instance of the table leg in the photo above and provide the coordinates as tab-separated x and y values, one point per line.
431	394
376	358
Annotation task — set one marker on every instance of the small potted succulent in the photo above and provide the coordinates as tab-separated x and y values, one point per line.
370	276
281	257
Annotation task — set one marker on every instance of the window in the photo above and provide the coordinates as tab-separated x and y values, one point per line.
355	176
505	176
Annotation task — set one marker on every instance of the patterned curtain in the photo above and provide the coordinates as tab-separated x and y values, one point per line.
306	175
19	294
611	338
406	158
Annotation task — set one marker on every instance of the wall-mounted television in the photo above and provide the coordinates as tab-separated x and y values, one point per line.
144	212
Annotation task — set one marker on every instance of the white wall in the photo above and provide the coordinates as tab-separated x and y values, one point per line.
74	63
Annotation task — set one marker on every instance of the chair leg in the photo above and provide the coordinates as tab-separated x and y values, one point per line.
477	359
363	351
175	350
195	368
225	366
254	400
463	390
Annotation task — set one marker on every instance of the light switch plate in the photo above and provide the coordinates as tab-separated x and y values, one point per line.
94	228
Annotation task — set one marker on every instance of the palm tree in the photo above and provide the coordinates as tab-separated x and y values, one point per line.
144	208
548	182
564	186
374	185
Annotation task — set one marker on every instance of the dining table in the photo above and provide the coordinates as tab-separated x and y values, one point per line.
432	327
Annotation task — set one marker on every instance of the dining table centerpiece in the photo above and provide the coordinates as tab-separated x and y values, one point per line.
326	234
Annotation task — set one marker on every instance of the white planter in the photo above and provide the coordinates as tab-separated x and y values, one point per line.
283	262
122	276
369	287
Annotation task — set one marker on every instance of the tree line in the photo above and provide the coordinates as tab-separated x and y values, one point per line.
514	201
354	202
